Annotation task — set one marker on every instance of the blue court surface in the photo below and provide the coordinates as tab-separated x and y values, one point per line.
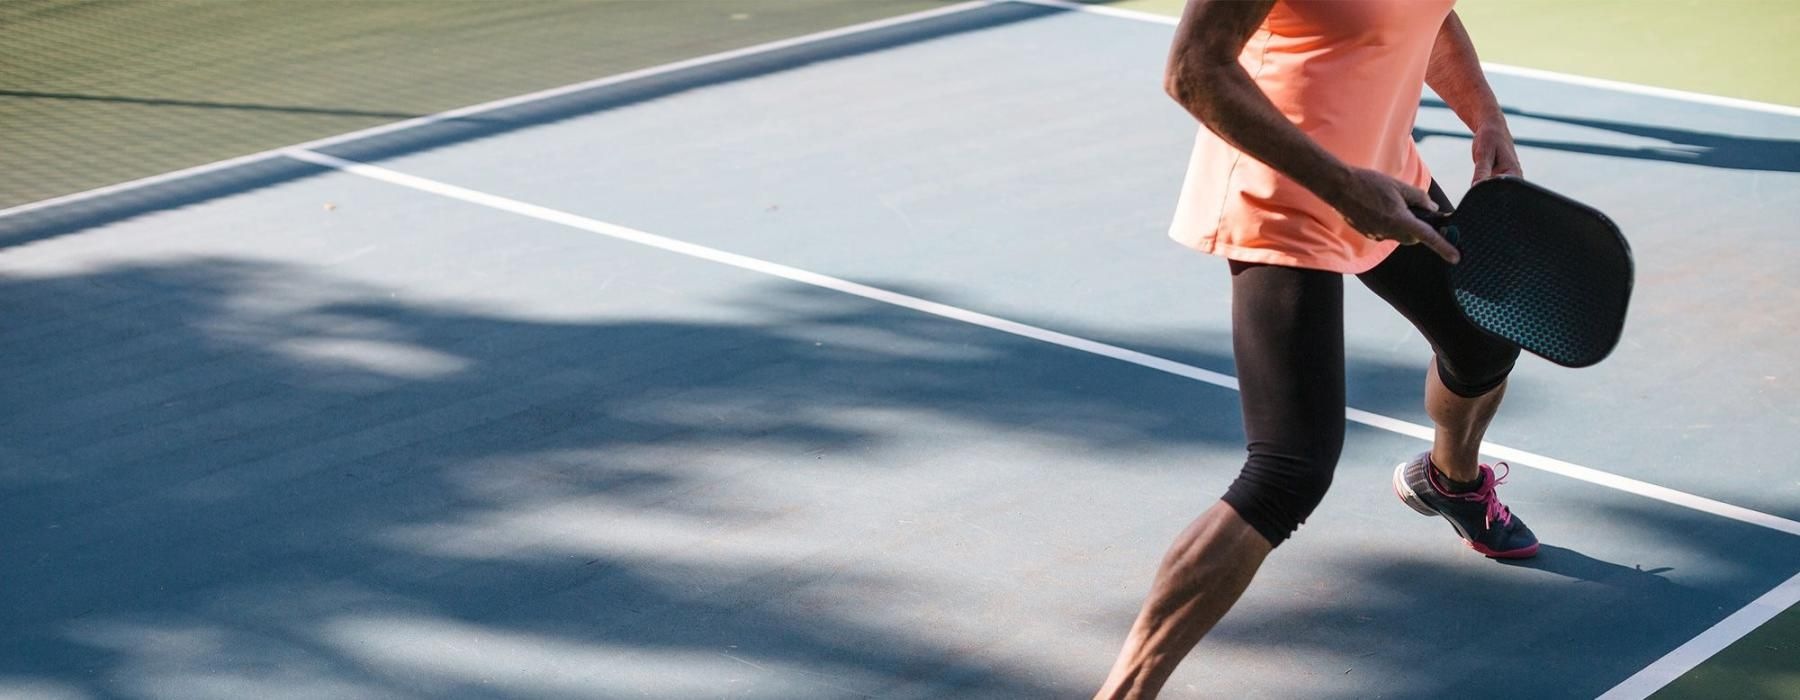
858	366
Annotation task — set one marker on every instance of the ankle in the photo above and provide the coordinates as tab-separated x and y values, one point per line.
1448	483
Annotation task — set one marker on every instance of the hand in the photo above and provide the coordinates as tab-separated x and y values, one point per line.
1376	206
1494	155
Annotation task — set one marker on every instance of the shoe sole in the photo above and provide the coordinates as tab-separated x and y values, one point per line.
1412	500
1520	553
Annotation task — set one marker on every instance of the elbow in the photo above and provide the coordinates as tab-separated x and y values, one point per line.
1172	85
1179	85
1190	77
1188	85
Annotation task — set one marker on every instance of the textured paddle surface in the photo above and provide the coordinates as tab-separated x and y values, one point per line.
1542	270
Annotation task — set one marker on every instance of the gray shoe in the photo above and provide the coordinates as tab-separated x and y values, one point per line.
1480	519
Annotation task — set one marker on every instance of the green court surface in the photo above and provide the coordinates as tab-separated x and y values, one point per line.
1762	666
93	94
1732	48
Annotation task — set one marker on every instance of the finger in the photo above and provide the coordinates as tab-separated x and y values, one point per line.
1481	151
1509	166
1438	244
1416	197
1484	169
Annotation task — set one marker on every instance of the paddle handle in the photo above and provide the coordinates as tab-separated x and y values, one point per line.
1438	219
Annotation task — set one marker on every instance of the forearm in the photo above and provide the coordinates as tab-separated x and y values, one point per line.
1455	74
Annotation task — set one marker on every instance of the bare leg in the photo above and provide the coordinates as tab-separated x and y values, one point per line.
1461	422
1204	572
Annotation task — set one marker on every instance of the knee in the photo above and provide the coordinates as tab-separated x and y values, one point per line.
1277	491
1474	374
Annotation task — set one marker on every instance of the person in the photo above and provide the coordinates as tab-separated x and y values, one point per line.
1306	171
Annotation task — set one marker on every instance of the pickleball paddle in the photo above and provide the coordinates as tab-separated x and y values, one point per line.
1540	269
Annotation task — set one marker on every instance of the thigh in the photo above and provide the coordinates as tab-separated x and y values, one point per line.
1288	339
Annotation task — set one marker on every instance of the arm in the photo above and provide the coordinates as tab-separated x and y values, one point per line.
1455	74
1205	78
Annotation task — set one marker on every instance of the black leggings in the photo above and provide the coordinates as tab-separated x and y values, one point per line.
1287	332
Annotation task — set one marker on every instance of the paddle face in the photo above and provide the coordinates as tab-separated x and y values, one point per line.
1541	270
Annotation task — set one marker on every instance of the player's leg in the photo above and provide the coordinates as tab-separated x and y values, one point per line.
1202	575
1464	386
1461	419
1287	335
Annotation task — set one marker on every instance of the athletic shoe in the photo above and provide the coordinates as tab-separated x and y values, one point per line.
1480	519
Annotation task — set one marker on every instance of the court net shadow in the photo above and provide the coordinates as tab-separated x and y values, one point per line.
1708	149
204	104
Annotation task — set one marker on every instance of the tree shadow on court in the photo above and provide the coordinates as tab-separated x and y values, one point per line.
231	478
1713	150
227	478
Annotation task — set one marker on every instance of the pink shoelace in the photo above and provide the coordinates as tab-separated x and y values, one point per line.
1486	495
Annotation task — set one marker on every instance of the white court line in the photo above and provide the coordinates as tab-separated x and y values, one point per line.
1374	420
1635	88
1499	68
1697	650
1513	455
473	110
1138	15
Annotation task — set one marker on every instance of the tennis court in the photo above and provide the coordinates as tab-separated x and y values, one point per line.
851	361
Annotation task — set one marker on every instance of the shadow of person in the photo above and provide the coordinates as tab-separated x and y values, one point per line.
1563	561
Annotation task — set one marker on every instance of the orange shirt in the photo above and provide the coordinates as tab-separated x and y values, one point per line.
1348	73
